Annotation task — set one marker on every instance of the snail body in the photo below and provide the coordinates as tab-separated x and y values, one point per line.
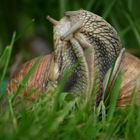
88	46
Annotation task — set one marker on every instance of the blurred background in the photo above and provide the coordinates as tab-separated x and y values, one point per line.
35	33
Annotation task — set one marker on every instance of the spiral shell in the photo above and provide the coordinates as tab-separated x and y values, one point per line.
38	80
130	79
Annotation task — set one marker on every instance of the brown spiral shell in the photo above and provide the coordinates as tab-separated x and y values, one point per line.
38	80
130	79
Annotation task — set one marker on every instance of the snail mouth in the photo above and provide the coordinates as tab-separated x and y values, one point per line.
72	30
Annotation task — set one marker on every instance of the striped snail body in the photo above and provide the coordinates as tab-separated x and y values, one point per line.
90	45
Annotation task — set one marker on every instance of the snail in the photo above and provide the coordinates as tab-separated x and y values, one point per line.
87	47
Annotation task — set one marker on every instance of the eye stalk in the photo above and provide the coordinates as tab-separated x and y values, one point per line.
53	21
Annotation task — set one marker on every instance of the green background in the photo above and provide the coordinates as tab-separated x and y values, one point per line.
18	15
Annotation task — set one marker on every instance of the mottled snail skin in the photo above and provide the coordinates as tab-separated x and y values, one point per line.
100	43
69	55
87	44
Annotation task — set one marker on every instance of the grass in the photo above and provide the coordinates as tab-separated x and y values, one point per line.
65	116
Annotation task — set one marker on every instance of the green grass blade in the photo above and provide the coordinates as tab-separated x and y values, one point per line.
132	21
134	27
90	4
131	117
138	124
62	4
125	31
5	58
101	110
108	9
114	96
14	120
25	28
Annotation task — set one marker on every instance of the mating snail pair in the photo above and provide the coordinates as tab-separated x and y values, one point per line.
89	46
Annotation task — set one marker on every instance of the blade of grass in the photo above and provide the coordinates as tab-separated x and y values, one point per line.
108	9
114	96
62	114
14	120
25	29
101	110
130	116
90	4
3	60
131	20
138	124
62	5
130	4
125	31
6	57
134	27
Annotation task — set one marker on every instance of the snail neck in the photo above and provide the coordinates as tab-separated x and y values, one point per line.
72	67
70	60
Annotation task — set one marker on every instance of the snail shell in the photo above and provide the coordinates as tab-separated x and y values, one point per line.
130	67
38	82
